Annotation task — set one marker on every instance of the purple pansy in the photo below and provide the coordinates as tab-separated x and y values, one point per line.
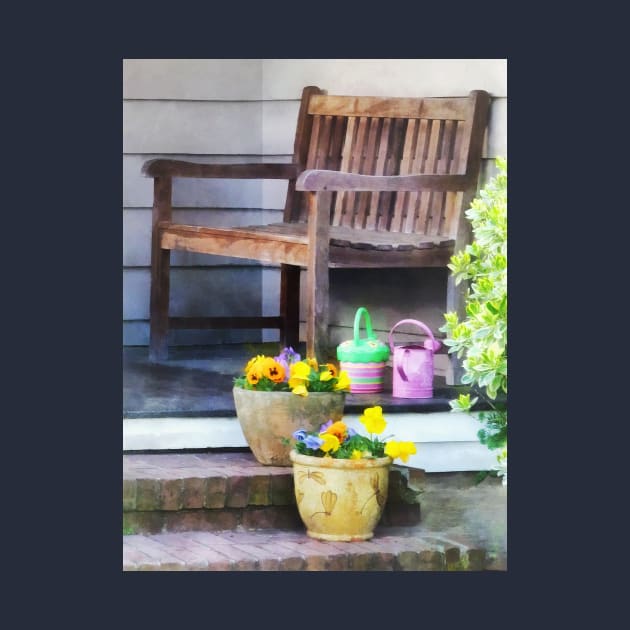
325	426
286	358
312	441
300	435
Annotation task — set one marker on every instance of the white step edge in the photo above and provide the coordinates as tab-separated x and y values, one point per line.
445	441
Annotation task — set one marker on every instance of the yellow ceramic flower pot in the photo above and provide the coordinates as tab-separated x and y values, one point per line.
340	499
266	418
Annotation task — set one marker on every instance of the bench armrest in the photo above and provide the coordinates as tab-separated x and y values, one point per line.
179	168
313	180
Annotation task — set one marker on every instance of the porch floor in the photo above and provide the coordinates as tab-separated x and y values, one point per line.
197	382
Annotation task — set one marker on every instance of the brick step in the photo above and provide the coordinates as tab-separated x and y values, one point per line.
166	492
287	550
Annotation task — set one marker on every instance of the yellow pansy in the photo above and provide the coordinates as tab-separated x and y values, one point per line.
338	429
300	390
356	454
273	370
343	381
406	449
263	363
253	375
300	370
373	420
254	371
392	449
253	361
331	442
325	376
312	362
400	449
299	373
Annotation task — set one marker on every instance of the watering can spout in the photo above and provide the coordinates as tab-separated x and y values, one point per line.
432	344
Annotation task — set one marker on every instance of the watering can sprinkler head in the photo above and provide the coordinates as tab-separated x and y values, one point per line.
432	344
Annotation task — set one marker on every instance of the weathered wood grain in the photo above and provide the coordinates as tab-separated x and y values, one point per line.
334	180
160	270
180	168
436	108
239	243
317	280
295	205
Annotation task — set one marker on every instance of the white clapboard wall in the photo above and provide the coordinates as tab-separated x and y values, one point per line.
245	110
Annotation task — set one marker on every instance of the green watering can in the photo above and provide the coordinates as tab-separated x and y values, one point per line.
363	358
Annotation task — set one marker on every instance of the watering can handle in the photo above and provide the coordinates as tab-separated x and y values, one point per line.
434	343
368	324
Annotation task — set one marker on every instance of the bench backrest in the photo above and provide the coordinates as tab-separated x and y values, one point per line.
391	136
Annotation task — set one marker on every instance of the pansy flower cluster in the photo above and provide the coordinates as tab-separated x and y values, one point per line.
289	372
337	440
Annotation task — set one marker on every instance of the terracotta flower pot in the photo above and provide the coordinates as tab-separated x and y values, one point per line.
268	417
340	499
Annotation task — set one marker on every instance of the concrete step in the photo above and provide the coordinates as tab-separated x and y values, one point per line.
217	491
445	441
289	550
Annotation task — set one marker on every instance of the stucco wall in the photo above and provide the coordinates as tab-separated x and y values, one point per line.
222	110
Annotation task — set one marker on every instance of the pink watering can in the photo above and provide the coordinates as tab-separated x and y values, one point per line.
412	365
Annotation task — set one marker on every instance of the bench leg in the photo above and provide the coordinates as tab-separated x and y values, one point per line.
317	320
290	306
317	276
160	289
160	272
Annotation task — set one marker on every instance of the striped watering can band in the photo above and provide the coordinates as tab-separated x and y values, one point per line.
365	378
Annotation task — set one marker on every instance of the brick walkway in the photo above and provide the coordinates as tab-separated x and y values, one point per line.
227	512
288	550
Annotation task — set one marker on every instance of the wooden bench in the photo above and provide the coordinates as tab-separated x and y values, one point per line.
374	182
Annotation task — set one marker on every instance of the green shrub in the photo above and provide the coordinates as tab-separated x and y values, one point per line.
481	338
